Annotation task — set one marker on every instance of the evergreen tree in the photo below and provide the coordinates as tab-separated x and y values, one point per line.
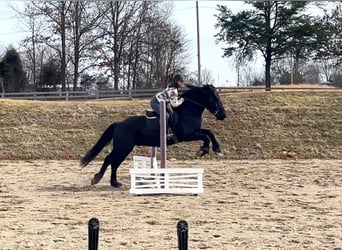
14	76
273	28
330	56
50	76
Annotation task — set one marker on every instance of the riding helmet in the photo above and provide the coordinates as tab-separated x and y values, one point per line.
178	77
175	80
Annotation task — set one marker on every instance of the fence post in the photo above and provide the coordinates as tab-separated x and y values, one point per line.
2	87
67	95
182	233
93	234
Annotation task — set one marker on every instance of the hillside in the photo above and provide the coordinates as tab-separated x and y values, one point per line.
261	125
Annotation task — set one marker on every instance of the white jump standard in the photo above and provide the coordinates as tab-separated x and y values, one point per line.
148	178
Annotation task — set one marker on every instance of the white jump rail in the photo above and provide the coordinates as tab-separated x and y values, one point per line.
166	181
147	178
144	162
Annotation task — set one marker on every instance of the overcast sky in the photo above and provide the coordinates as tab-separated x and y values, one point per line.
222	69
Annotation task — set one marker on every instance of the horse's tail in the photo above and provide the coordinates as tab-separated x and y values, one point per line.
105	138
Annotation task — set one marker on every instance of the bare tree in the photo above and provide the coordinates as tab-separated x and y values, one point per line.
56	16
206	78
330	57
115	30
165	47
30	20
84	21
134	43
141	45
311	73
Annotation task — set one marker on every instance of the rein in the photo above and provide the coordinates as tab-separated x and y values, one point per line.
201	105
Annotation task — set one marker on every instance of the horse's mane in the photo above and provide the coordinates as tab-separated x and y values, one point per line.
194	87
201	88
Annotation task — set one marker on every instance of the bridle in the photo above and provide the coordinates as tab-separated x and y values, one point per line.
214	112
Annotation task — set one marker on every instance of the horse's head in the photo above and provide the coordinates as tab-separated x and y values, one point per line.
208	97
214	104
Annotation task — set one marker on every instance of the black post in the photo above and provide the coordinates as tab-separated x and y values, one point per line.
93	234
182	232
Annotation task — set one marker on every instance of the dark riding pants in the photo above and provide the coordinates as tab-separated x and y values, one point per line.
155	105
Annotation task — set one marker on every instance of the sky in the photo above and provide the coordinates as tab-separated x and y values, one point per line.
9	32
222	69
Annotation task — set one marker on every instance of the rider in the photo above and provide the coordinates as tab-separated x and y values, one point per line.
170	96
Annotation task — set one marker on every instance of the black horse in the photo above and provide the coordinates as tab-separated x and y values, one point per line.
137	130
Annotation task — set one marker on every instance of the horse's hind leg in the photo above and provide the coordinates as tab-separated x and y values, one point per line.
115	158
120	156
99	175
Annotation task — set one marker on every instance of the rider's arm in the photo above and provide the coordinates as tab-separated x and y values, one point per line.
163	95
174	100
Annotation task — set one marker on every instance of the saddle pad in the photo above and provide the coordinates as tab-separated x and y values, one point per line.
150	114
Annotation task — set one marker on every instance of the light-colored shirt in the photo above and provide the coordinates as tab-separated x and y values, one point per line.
170	94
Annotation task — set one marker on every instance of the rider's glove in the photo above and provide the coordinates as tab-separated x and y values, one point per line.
176	102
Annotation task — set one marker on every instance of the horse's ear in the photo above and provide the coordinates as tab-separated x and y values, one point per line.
207	86
212	87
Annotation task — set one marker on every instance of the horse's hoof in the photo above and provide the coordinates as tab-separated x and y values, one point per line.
94	181
202	152
115	184
219	154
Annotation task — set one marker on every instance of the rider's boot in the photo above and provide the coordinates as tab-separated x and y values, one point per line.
169	133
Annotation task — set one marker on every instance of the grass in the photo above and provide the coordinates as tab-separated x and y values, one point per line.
272	125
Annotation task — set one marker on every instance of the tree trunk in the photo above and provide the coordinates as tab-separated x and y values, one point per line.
268	55
2	87
76	45
63	49
116	45
268	73
34	63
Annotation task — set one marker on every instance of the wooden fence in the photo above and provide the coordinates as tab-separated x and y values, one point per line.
136	93
84	94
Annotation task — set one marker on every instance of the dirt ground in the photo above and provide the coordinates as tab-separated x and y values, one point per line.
259	204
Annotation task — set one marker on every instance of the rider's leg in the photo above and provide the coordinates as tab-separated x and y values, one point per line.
169	123
155	105
169	115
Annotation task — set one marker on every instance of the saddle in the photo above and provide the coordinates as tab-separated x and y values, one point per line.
151	114
153	117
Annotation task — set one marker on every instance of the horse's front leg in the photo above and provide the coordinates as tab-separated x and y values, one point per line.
119	156
215	144
198	136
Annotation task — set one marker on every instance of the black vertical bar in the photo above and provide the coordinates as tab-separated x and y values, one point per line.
182	232
93	234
